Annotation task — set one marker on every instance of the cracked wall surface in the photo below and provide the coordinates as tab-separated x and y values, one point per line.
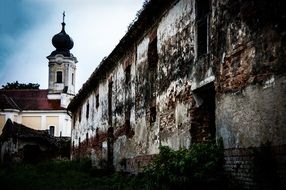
161	90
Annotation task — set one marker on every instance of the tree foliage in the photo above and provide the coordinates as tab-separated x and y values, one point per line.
17	85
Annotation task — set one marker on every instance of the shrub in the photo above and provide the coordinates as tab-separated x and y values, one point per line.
181	168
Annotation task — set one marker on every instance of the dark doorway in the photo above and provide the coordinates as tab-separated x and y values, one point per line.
203	124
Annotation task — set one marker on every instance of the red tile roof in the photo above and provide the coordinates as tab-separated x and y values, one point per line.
28	99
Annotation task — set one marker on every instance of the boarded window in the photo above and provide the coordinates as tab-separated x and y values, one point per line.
59	76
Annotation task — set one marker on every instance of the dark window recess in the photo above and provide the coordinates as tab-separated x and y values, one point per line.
110	103
65	90
73	122
52	130
79	143
87	110
59	76
79	115
72	78
110	139
153	114
202	38
203	8
127	127
152	55
152	72
202	17
86	138
97	133
97	101
128	74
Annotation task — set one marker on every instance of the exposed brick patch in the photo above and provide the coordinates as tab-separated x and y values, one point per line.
95	143
244	168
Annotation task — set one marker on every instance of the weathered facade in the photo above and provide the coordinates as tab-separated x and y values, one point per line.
19	143
189	71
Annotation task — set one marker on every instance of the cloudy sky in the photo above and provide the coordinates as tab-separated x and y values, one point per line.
27	27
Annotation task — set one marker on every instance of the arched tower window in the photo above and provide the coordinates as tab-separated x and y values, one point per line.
59	76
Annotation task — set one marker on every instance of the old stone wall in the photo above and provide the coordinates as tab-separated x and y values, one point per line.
202	70
247	48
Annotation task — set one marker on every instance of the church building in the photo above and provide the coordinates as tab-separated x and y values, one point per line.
45	109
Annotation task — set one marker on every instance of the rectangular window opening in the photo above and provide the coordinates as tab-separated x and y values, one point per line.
79	143
52	130
87	110
153	114
202	38
110	102
87	138
79	115
59	76
97	101
73	122
128	74
203	8
152	54
72	78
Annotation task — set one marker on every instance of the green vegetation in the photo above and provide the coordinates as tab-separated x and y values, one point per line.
72	175
198	167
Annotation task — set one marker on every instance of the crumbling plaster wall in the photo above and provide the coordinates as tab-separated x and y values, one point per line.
176	55
173	100
248	46
244	63
248	52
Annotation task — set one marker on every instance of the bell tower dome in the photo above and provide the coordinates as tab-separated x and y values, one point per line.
62	64
62	68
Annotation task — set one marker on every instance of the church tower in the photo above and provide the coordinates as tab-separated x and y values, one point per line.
62	64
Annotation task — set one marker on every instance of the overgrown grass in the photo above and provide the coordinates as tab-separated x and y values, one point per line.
198	167
71	175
